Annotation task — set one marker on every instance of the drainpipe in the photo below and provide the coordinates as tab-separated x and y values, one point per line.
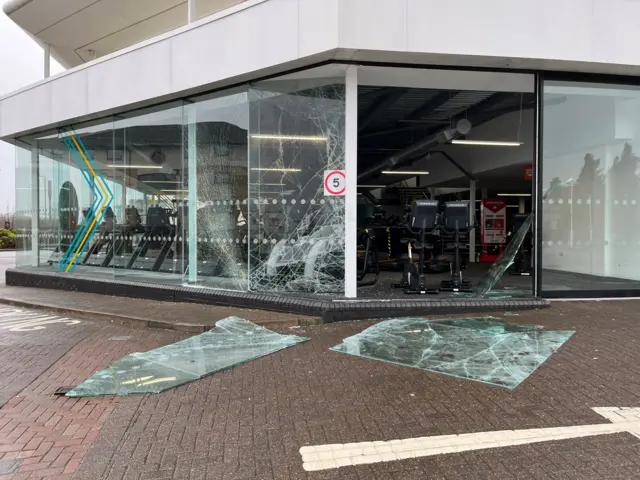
462	128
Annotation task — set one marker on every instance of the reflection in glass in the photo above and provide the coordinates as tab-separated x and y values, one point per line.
232	342
590	228
484	349
24	208
296	233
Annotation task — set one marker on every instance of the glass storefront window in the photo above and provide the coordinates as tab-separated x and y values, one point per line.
216	151
591	184
26	256
224	190
71	221
296	233
146	166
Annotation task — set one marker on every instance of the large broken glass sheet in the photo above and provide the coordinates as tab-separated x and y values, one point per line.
231	342
504	261
484	349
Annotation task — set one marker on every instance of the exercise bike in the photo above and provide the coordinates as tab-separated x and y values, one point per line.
456	220
370	263
425	217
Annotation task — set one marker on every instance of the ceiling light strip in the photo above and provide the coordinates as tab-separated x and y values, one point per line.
294	138
486	143
404	172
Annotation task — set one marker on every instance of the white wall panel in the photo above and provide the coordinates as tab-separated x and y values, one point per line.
126	79
373	24
69	95
619	19
318	26
260	37
27	110
556	29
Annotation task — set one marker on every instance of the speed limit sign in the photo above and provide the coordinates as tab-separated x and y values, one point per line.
335	183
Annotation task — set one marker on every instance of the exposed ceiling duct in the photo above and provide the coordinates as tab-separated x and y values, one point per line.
462	128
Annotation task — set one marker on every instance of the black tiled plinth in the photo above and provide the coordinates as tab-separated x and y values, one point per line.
329	310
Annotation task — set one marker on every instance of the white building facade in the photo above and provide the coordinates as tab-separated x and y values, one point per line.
220	131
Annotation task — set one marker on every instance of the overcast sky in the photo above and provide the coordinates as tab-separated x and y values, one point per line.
21	63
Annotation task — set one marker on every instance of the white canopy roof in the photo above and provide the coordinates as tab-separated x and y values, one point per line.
76	28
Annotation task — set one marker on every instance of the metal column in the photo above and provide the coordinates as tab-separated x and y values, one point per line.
351	193
472	221
191	11
47	61
192	154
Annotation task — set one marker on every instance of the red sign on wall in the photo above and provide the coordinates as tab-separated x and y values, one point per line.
528	172
494	221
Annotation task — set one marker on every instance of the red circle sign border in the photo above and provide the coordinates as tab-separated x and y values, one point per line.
326	180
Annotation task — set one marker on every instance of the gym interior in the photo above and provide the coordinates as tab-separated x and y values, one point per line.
456	183
445	186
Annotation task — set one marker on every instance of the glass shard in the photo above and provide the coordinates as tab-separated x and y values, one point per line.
231	342
484	349
504	261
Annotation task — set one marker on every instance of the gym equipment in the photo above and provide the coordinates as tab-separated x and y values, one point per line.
158	237
370	260
522	261
424	217
456	220
101	250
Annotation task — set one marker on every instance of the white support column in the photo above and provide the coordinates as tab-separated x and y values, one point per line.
192	155
191	11
35	207
472	221
47	61
351	193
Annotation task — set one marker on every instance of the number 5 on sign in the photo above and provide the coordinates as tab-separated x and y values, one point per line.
335	183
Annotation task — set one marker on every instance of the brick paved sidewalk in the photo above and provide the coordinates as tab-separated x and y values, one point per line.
249	422
138	312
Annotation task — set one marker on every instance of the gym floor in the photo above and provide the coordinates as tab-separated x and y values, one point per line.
511	284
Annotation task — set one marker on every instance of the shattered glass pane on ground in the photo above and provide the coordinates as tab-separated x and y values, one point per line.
231	342
484	349
504	261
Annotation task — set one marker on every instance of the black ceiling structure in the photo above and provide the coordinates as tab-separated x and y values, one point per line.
392	119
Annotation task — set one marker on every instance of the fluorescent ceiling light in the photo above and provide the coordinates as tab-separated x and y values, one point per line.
514	194
405	172
371	186
296	138
135	166
486	143
276	169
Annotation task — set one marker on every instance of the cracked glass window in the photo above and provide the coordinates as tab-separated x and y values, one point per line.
504	261
216	146
296	232
231	342
484	349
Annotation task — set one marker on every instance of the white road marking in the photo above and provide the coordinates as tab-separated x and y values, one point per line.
18	320
324	457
